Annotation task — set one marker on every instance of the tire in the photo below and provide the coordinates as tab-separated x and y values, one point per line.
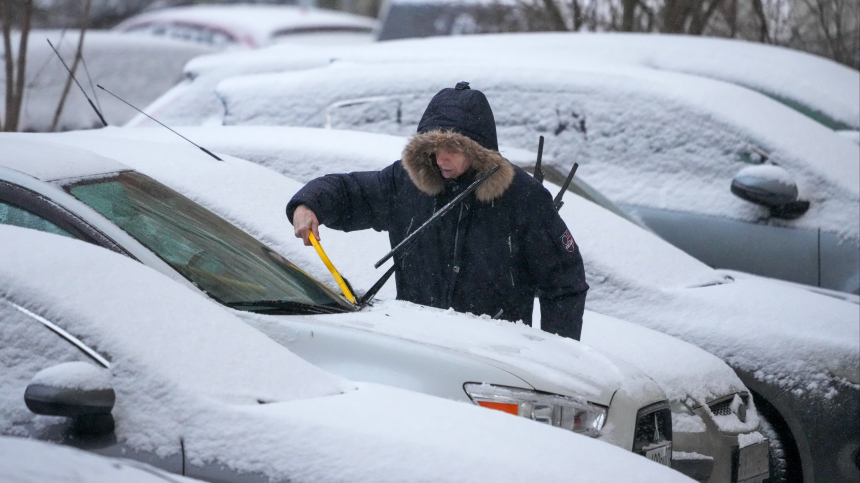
784	459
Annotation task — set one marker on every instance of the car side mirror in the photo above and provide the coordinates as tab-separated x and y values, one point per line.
77	390
770	186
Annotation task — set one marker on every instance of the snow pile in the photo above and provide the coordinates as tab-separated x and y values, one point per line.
750	439
184	368
134	68
74	375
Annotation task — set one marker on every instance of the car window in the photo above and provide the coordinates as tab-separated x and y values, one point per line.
222	260
16	216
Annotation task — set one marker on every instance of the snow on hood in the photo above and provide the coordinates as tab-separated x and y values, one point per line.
184	368
551	364
676	140
653	284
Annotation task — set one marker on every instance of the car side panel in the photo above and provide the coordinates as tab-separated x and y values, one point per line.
784	253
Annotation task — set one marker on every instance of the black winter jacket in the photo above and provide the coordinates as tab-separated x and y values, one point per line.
491	255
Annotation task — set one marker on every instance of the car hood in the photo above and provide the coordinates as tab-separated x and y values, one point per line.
704	377
547	362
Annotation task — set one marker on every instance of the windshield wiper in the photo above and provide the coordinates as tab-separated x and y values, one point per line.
285	307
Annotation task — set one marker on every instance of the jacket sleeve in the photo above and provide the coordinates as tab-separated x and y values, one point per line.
557	268
348	202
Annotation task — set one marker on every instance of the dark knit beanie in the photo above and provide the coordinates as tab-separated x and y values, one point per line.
463	110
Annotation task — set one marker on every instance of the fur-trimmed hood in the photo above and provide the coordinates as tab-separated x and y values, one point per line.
420	163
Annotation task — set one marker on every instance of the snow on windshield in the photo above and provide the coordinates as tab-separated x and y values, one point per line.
633	274
137	318
652	139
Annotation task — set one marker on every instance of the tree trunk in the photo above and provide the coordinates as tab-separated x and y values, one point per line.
628	15
84	22
10	67
759	11
555	15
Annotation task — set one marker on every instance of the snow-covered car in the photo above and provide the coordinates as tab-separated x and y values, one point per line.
136	69
711	425
251	26
678	136
31	461
71	191
140	367
806	386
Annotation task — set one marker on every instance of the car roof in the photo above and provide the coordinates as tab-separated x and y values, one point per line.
47	161
257	22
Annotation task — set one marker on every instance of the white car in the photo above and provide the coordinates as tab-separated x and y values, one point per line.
760	327
709	429
143	368
31	461
137	69
251	26
61	189
650	126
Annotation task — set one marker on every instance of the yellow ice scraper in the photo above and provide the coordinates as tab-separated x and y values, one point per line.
343	287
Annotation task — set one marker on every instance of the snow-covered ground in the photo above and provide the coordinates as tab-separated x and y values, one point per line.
185	369
137	69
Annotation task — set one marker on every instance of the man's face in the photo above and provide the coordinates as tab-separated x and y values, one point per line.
452	164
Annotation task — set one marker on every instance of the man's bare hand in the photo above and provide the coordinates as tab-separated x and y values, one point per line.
304	222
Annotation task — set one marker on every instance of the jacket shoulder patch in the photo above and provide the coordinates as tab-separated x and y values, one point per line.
567	241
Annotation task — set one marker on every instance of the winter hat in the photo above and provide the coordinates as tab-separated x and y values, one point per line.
463	110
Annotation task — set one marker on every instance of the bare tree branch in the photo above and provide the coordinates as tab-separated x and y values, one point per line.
84	23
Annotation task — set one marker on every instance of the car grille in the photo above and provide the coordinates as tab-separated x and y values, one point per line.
724	406
653	425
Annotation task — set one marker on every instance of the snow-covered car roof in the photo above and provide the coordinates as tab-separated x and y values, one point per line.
647	121
138	69
186	370
748	321
815	86
248	26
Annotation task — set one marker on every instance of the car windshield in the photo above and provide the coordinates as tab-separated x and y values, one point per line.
225	262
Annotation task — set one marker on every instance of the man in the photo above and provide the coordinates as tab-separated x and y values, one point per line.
490	254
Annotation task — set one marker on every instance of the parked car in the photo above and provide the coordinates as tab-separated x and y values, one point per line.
144	368
669	180
459	357
658	144
814	86
136	69
760	327
32	461
250	26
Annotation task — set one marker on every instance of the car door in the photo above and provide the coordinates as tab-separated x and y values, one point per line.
29	343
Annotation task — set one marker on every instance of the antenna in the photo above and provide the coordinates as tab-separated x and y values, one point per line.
538	173
162	124
556	203
78	83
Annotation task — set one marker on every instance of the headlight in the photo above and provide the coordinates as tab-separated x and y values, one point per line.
565	412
